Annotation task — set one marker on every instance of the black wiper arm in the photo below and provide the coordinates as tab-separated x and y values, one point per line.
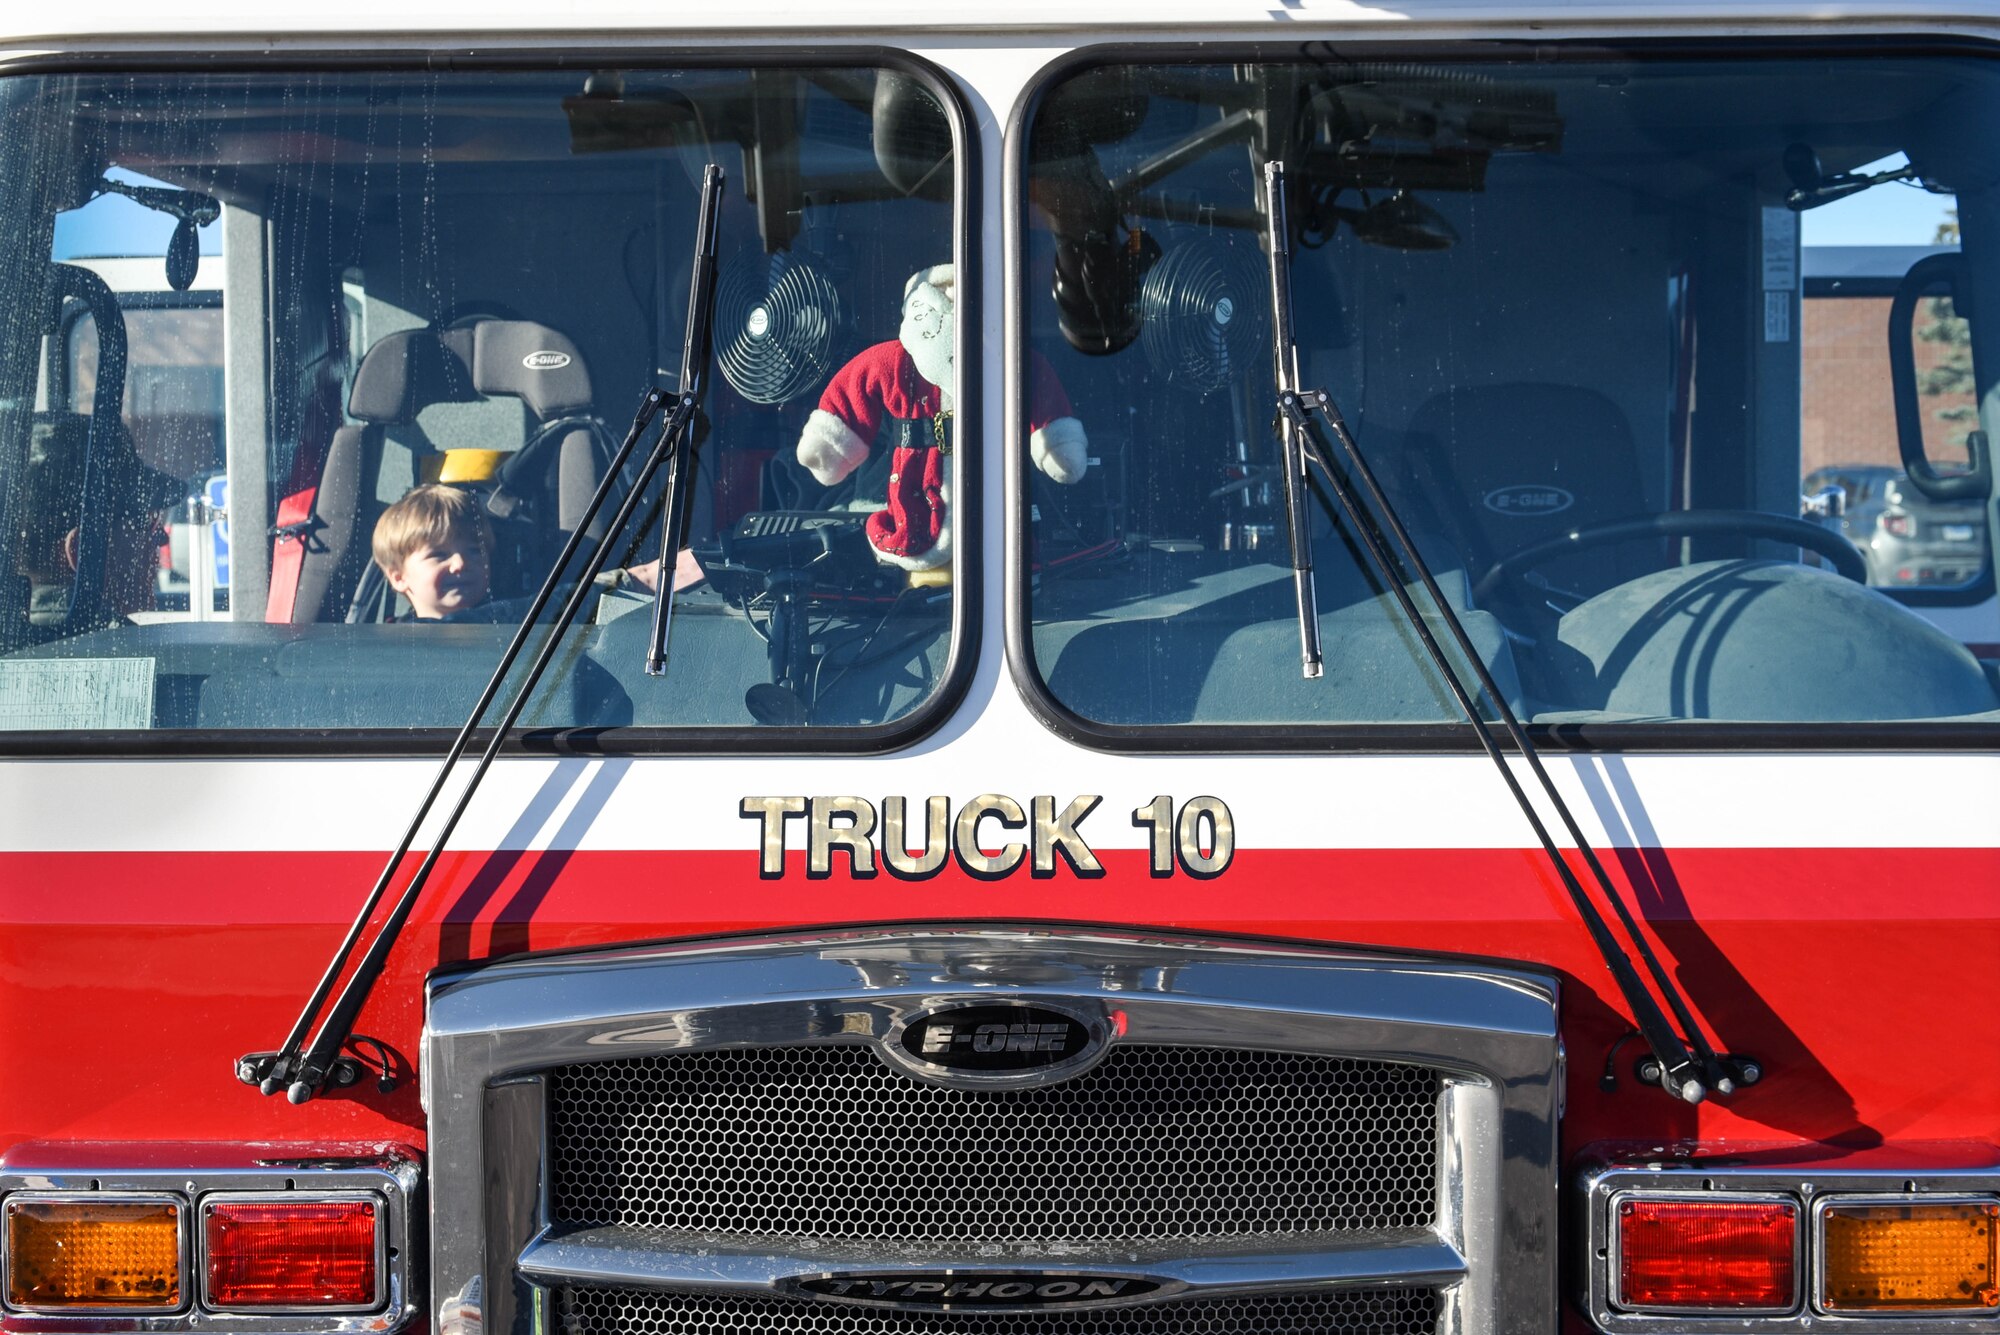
680	456
1689	1066
1291	438
302	1070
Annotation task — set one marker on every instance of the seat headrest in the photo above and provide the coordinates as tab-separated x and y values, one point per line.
413	369
532	362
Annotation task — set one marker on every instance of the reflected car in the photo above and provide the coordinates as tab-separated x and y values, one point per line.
1910	541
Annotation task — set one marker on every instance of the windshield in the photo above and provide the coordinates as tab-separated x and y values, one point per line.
1574	305
308	377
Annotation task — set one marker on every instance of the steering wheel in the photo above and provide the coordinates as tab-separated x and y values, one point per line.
1843	555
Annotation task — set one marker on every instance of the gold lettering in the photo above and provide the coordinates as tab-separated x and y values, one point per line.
1053	833
773	811
895	839
965	835
853	835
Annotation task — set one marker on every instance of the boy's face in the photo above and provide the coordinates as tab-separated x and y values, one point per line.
445	577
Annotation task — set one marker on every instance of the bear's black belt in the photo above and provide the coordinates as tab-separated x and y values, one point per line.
918	433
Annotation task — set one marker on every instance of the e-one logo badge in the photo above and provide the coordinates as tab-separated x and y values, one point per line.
546	361
940	1038
995	1039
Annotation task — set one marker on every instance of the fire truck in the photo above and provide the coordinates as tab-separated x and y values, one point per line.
1006	670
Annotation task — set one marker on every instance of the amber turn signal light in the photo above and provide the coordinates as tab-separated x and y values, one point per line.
79	1254
1905	1257
1707	1255
289	1254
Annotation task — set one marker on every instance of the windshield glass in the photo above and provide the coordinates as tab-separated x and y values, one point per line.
306	377
1605	329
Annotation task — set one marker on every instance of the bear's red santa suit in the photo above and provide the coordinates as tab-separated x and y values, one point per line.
900	392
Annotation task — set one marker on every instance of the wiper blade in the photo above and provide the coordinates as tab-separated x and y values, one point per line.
302	1070
680	455
1689	1066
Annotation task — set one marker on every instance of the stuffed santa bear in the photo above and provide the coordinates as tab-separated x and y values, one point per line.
898	395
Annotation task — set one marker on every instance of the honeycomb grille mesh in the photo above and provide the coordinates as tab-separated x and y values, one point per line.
1155	1143
1339	1312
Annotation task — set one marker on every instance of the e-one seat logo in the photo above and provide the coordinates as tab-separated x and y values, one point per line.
1528	499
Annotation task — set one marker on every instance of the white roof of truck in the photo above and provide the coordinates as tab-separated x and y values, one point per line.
29	24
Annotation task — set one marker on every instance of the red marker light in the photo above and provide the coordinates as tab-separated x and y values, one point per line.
1708	1255
290	1254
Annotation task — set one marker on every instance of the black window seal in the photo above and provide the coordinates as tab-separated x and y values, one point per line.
1691	736
968	569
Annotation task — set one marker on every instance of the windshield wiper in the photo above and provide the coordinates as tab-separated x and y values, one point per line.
302	1070
1689	1066
679	444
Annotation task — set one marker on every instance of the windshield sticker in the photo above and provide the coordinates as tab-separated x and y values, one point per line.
1781	250
1777	317
76	693
1193	838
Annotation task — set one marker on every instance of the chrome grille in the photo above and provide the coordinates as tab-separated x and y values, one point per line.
1157	1143
1406	1311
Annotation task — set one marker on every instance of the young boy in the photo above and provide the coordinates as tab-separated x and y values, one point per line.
432	547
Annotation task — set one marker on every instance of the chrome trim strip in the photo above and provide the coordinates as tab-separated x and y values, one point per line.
645	1259
393	1182
1803	1181
1491	1032
183	1274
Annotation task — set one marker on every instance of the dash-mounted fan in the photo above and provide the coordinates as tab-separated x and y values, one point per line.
778	324
1203	311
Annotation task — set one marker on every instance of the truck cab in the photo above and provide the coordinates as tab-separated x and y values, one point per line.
1291	700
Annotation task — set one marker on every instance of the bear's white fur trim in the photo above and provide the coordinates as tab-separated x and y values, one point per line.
940	276
1061	450
830	448
936	556
927	332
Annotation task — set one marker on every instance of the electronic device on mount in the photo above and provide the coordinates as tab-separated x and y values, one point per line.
830	545
1381	130
1812	187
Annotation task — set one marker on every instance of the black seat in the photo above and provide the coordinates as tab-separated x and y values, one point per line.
1507	466
537	494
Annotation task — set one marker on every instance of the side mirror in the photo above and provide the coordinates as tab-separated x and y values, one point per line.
1826	503
1945	271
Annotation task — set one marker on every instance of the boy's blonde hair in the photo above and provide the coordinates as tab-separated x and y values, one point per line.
426	517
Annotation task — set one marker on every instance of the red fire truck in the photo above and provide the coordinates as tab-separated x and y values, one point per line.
1020	671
